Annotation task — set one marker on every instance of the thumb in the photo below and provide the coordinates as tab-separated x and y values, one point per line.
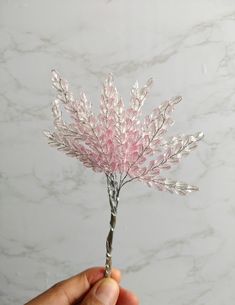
104	292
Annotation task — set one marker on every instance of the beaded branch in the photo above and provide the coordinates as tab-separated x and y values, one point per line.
119	143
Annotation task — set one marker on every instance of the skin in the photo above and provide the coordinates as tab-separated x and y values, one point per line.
79	288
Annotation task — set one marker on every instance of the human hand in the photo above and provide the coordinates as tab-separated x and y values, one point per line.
87	288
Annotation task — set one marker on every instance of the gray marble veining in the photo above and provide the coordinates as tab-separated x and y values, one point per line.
53	212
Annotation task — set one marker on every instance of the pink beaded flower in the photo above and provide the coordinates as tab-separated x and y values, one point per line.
118	142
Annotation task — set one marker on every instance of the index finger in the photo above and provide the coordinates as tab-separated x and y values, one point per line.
70	290
79	284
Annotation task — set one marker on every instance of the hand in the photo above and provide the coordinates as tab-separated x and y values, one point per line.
87	288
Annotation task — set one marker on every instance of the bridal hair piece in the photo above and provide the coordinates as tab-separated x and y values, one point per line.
119	142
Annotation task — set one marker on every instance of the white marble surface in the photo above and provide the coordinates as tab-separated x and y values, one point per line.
53	212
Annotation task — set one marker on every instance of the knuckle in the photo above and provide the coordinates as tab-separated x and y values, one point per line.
57	285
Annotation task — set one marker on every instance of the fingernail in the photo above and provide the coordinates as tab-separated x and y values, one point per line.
107	292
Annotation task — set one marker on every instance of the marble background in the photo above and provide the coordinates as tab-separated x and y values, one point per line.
54	213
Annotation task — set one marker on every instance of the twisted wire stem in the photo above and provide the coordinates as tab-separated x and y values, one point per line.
113	192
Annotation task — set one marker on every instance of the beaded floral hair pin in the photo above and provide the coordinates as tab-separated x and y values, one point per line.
119	143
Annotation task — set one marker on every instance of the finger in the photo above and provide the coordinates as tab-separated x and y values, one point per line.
69	291
76	286
104	292
116	274
126	297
